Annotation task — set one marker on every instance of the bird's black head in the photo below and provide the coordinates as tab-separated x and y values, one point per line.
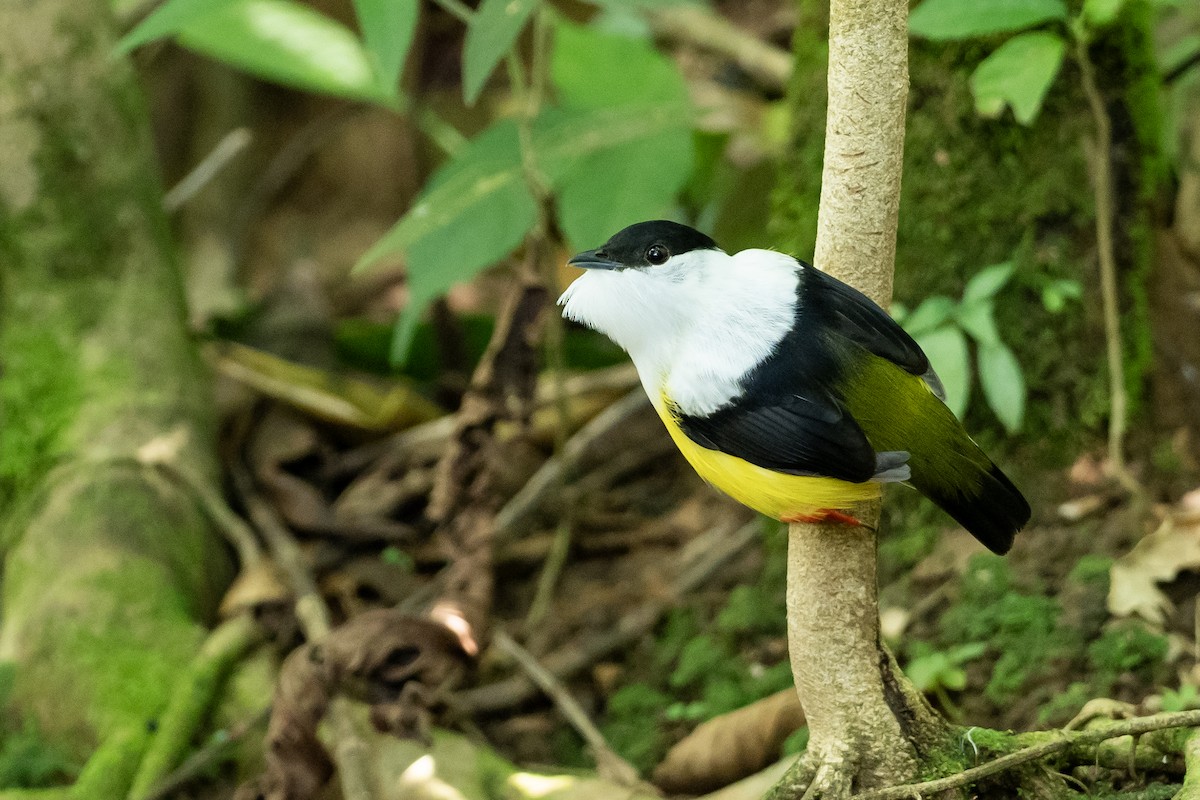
646	244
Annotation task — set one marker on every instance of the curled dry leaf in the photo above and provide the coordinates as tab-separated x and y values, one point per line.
399	665
731	746
1157	558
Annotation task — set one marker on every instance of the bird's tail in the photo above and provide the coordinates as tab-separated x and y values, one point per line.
900	411
979	497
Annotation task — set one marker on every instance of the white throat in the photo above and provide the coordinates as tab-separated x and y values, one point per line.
695	325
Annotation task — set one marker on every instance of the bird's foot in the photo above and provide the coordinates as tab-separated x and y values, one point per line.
825	515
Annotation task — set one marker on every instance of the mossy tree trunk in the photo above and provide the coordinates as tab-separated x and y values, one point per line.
110	566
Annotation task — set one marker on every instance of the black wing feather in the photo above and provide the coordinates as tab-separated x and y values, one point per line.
854	316
791	418
799	436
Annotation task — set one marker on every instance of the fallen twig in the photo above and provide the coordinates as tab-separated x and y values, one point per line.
555	470
1062	741
311	611
201	762
225	645
609	764
718	547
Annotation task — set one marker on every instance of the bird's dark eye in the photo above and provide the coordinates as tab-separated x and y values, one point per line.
657	254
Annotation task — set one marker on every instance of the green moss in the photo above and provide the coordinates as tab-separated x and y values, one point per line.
634	724
38	399
977	192
1021	630
1128	648
1092	570
107	606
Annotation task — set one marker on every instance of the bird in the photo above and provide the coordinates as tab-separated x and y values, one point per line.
785	388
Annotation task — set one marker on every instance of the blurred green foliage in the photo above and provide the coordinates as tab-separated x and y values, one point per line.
702	664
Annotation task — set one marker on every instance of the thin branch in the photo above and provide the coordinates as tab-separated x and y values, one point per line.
353	769
1102	185
710	556
190	701
551	475
1062	741
220	749
611	765
210	166
767	64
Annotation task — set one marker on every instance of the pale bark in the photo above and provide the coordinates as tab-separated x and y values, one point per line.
868	727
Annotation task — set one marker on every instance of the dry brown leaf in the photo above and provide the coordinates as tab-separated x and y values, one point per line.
731	746
1157	558
258	584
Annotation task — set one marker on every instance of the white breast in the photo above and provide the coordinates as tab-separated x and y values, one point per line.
694	326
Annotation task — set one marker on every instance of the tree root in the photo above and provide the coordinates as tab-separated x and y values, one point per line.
1058	743
829	773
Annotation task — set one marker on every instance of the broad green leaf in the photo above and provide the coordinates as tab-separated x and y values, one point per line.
491	34
1003	384
591	69
561	137
168	19
621	185
387	26
978	320
947	351
929	671
985	283
474	211
286	42
932	312
962	19
1018	74
1101	13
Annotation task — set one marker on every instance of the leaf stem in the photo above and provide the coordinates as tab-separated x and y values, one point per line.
1102	186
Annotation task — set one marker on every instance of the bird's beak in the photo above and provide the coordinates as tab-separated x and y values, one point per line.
590	260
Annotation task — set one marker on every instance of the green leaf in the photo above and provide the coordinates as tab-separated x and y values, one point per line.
947	351
1018	74
962	19
1101	13
978	320
621	185
985	283
562	137
491	34
591	69
1056	293
168	19
932	312
926	672
289	43
388	26
1003	384
474	211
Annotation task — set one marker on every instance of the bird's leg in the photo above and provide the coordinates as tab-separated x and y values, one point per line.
827	515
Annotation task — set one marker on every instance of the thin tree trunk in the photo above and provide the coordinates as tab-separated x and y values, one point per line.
868	727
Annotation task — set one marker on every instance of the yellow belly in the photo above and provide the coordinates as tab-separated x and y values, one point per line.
775	494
